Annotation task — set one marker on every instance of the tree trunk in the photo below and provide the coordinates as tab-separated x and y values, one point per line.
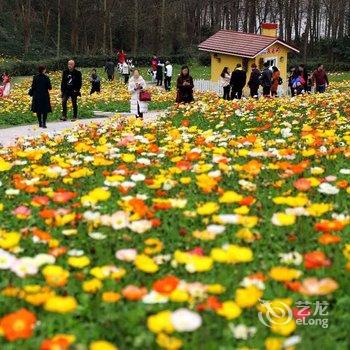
58	28
136	25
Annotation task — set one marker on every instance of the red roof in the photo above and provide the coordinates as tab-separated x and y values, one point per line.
240	44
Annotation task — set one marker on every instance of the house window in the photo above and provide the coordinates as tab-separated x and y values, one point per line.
272	61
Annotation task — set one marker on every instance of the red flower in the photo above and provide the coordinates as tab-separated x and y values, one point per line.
166	285
316	260
302	184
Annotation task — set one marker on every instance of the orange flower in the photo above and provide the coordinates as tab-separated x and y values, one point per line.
63	196
342	184
60	343
18	325
316	260
328	238
247	201
293	285
134	293
166	285
138	206
313	286
253	167
110	297
302	184
212	303
329	226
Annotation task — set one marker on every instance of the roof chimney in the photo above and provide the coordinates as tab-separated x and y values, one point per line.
269	29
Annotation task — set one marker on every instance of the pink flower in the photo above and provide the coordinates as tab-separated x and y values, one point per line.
22	211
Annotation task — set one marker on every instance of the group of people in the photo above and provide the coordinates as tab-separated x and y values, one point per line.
299	81
71	84
161	71
5	86
124	66
234	83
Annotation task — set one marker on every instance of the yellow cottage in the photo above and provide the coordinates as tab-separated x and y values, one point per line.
228	48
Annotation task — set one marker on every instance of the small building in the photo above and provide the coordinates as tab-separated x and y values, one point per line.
228	48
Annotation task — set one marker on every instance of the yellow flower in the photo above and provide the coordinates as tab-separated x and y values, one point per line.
160	322
78	262
318	209
229	310
232	254
185	180
243	210
4	165
128	158
298	201
1	207
55	275
346	251
95	196
282	219
273	344
216	288
248	297
283	325
168	343
208	208
102	345
179	296
146	264
230	197
92	286
60	304
9	240
111	297
284	274
83	172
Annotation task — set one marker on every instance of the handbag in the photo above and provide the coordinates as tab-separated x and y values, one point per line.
145	96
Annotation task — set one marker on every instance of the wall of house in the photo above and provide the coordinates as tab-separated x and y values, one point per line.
277	51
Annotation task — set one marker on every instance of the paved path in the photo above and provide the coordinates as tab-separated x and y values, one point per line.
9	136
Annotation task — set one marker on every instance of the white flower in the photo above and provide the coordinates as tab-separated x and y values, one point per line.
330	178
229	218
127	255
327	188
92	216
140	226
286	133
291	341
138	177
24	266
247	282
345	171
144	161
97	236
75	252
154	298
119	220
178	203
184	320
215	173
297	211
241	331
12	192
216	229
6	260
44	259
128	184
291	258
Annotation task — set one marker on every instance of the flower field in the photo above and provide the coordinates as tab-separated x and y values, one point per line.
15	109
205	230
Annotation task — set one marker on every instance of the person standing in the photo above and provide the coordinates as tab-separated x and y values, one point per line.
95	82
266	80
254	81
237	82
306	78
39	91
126	72
5	88
70	88
159	73
136	85
168	75
225	79
184	86
110	69
121	57
154	65
320	79
276	78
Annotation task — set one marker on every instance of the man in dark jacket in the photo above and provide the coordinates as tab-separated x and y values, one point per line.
238	81
254	81
320	79
70	88
110	69
266	80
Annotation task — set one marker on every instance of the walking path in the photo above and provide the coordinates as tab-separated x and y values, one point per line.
9	136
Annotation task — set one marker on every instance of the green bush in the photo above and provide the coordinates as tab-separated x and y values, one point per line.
23	68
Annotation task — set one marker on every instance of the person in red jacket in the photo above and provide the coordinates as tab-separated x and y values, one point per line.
121	56
320	79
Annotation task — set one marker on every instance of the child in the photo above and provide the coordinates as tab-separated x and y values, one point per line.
95	82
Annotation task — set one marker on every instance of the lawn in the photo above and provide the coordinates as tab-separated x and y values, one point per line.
155	236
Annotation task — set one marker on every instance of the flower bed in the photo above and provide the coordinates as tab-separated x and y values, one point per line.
209	227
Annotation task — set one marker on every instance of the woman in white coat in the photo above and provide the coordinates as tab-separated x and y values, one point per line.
136	85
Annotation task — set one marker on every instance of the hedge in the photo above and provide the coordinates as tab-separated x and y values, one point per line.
24	68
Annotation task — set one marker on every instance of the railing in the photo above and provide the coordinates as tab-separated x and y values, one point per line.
207	85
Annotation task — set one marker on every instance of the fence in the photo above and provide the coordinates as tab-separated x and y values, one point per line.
207	85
